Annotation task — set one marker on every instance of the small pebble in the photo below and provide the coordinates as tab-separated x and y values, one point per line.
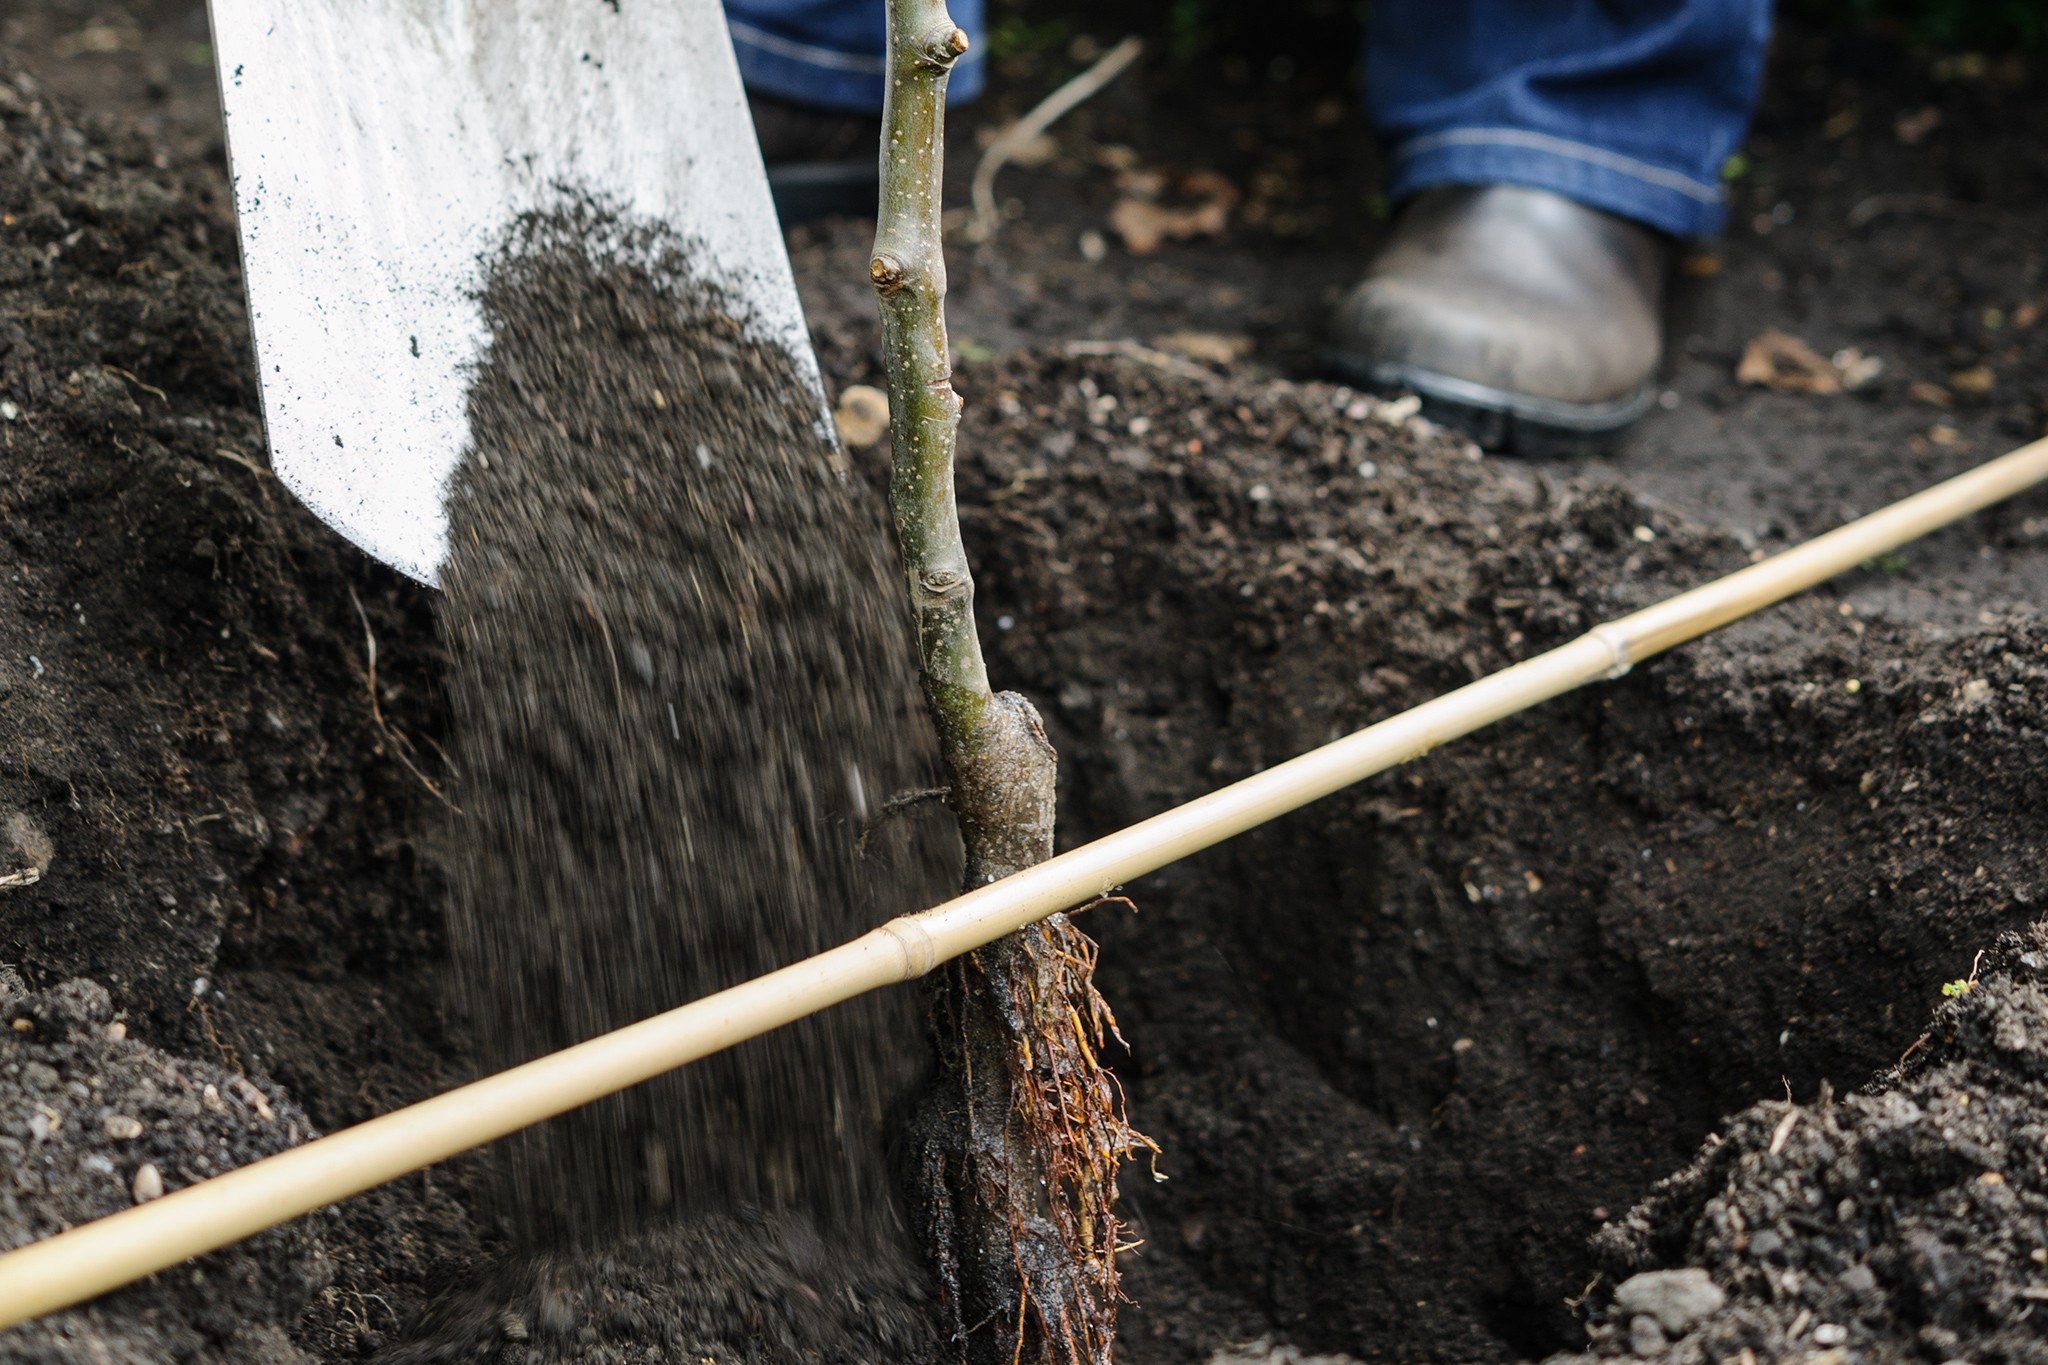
149	1183
116	1031
1830	1334
25	851
1677	1299
122	1128
210	1097
251	1096
1645	1336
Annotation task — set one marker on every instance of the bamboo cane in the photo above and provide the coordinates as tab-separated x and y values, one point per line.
103	1255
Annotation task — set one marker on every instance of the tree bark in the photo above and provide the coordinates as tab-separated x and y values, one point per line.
1018	1141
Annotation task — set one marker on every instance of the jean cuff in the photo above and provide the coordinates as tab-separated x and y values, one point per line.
1671	201
828	78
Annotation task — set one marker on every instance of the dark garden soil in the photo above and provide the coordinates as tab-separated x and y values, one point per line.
1405	1052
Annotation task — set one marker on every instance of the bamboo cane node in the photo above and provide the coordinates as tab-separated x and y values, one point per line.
920	952
1617	644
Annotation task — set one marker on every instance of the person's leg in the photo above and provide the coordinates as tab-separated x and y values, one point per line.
1547	153
1626	105
827	54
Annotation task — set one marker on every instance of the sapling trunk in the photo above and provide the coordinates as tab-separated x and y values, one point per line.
1018	1141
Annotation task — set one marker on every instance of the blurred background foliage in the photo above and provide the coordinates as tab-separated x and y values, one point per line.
1992	25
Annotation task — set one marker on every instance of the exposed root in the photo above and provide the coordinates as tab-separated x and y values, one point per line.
895	807
399	745
1075	1112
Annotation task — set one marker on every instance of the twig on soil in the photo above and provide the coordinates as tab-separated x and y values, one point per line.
1144	355
262	489
399	744
229	453
1868	211
146	388
1048	111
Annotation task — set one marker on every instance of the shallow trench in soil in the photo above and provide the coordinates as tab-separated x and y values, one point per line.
1404	1052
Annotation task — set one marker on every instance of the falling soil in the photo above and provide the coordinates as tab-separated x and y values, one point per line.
682	688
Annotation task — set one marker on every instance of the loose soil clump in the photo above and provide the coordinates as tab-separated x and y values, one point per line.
1906	1222
92	1121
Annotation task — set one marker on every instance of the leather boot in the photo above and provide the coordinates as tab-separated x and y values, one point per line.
1529	320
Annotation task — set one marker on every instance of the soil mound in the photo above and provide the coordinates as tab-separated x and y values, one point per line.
1906	1222
202	752
92	1121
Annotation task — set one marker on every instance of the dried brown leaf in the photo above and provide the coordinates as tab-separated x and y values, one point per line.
1976	381
1170	205
1780	361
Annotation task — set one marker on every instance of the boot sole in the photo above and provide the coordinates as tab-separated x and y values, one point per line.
1499	420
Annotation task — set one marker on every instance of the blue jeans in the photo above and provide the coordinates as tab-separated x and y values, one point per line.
1628	105
828	53
1632	106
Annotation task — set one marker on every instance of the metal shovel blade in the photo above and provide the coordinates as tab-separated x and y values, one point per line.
383	149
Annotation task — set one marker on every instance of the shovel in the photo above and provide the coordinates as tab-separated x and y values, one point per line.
381	151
